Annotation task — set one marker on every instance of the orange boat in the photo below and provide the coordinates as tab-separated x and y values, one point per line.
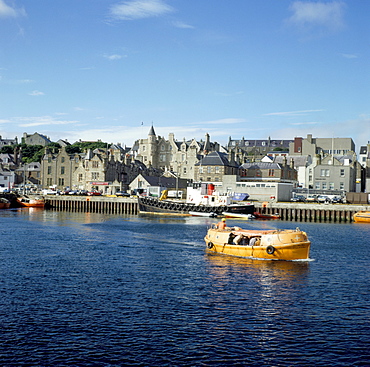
263	244
362	216
27	202
4	203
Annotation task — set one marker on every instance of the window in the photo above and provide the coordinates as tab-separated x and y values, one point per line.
200	169
209	169
62	170
80	177
271	172
162	147
217	169
49	159
331	185
184	170
49	170
325	173
49	181
95	164
62	159
342	174
324	185
317	185
95	175
61	181
341	185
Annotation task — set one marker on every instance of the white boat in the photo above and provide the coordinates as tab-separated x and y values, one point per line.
238	215
200	214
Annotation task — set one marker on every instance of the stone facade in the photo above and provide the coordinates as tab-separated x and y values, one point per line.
171	155
35	139
253	150
105	170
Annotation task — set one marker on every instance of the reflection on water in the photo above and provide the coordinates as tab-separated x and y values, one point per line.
90	289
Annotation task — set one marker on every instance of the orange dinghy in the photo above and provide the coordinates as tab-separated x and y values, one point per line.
25	201
362	216
271	244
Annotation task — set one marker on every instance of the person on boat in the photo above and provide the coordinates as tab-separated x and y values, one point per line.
221	224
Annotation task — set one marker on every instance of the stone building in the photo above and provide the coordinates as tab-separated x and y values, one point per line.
253	150
334	163
213	167
4	142
268	171
169	154
35	139
105	170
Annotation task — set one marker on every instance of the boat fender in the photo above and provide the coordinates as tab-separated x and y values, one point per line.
209	245
270	249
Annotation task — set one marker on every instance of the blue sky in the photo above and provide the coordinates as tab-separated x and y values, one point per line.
104	69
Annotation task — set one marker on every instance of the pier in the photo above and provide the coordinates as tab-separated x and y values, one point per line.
300	212
93	204
312	212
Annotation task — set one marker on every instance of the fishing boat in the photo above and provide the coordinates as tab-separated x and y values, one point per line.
28	202
4	203
259	215
262	244
362	216
201	198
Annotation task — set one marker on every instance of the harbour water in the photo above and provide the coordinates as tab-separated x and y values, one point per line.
79	289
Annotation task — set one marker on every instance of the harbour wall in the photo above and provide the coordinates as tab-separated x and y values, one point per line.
301	212
93	204
311	212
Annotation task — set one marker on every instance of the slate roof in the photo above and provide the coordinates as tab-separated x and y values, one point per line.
261	165
215	159
299	160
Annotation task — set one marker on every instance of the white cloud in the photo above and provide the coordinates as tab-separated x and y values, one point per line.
327	14
113	57
36	93
41	121
7	11
292	113
350	56
179	24
139	9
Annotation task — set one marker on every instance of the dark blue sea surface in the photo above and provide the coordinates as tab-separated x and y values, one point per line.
81	289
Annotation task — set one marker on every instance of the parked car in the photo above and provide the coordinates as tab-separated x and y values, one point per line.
336	199
94	193
323	199
311	198
122	193
50	192
82	192
298	198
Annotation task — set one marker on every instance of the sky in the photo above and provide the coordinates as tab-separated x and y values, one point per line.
109	70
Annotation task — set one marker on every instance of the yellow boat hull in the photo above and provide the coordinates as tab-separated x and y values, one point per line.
362	216
272	245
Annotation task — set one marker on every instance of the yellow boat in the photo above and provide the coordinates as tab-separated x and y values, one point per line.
362	216
270	244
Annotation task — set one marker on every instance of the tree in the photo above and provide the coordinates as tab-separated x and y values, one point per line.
7	149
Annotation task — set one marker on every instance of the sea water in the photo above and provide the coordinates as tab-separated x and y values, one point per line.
80	289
